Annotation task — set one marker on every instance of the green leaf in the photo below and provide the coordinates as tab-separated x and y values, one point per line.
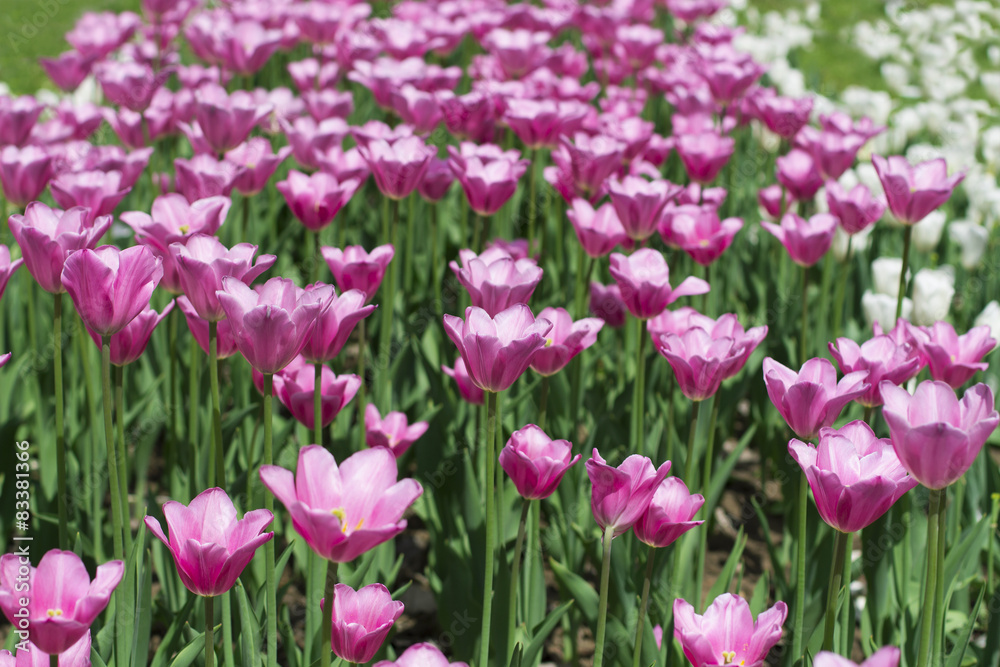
249	628
758	601
958	653
725	579
960	555
190	653
542	631
143	611
515	659
578	589
180	618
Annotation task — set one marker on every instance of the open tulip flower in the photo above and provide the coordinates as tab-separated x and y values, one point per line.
398	166
698	231
798	174
361	620
315	200
354	268
855	477
644	280
639	203
882	357
565	340
669	514
535	462
336	319
210	546
620	496
811	398
805	240
913	191
421	655
937	436
202	262
64	602
887	656
856	210
496	281
294	387
24	173
128	344
392	431
951	358
343	511
599	230
97	191
727	633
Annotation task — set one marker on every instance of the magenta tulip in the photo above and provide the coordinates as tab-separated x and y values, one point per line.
422	655
784	116
798	174
225	343
247	46
540	123
496	285
670	514
24	173
704	155
110	287
399	166
226	119
600	230
18	116
295	389
586	163
77	655
47	236
310	140
210	546
606	303
936	436
535	462
882	358
644	280
856	210
128	344
497	350
361	620
258	164
770	200
466	387
392	431
887	656
129	84
951	358
698	231
437	180
833	152
913	191
639	203
315	200
855	477
203	176
326	103
488	185
621	495
64	602
97	191
565	340
805	240
355	269
327	510
336	320
727	633
68	69
811	398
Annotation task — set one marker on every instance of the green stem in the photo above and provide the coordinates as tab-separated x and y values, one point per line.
692	434
387	313
543	402
643	603
930	587
218	477
194	398
800	571
491	419
498	471
532	190
435	233
838	308
362	390
326	632
602	609
706	482
116	502
173	380
477	231
209	634
847	635
833	591
122	458
60	430
672	388
939	610
515	572
640	381
241	232
804	332
53	660
411	232
869	412
227	631
907	236
269	566
318	405
96	499
317	257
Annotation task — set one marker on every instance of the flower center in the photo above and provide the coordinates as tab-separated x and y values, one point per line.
184	229
342	517
52	613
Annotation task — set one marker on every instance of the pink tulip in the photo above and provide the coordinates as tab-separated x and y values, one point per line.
247	46
309	139
316	199
398	167
417	108
805	240
535	462
345	165
18	116
210	546
887	656
727	633
309	74
606	303
784	116
110	287
114	158
854	476
295	387
564	341
496	284
669	514
639	203
798	173
698	231
951	358
913	191
173	219
97	191
392	431
540	123
692	10
129	84
361	621
437	180
729	77
128	126
203	176
839	122
600	230
4	358
128	344
832	152
224	342
47	236
422	655
226	119
811	398
202	262
67	70
466	388
271	323
64	602
337	522
704	155
258	164
497	350
857	210
7	267
24	173
770	198
882	358
98	34
678	321
703	357
336	320
936	436
585	162
489	185
355	269
517	51
644	280
621	495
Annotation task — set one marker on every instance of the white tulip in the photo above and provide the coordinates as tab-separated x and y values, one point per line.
885	275
927	232
881	308
933	290
858	244
972	238
990	317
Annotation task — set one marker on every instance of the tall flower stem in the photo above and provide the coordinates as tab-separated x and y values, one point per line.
515	571
119	376
116	502
838	307
316	573
928	616
671	389
692	434
411	232
318	405
638	399
937	645
218	475
643	603
543	402
706	480
327	627
269	573
498	471
602	608
435	233
194	392
209	634
387	313
362	390
532	194
96	508
833	592
491	419
804	333
800	570
60	430
173	380
227	631
907	236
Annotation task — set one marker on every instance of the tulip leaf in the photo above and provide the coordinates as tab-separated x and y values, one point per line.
143	609
720	476
960	555
515	658
191	652
179	619
725	579
958	653
578	589
95	657
249	627
542	631
758	601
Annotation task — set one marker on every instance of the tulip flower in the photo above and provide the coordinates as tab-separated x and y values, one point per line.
310	140
98	34
392	431
110	287
704	155
64	602
564	341
833	152
422	655
855	477
398	167
361	620
210	546
517	51
585	163
698	231
606	303
669	514
295	388
798	174
97	191
644	280
536	463
203	176
951	358
18	116
77	655
128	344
258	164
784	116
497	350
488	185
315	200
913	191
225	344
271	323
770	198
355	269
600	230
417	108
247	46
887	656
727	633
856	210
129	84
326	103
226	119
67	70
335	520
811	398
466	388
4	358
639	202
805	240
621	495
883	359
24	173
496	284
729	78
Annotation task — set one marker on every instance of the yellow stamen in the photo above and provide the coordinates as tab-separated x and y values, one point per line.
728	657
54	612
184	229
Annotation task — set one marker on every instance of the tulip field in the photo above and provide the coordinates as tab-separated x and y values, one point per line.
466	332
